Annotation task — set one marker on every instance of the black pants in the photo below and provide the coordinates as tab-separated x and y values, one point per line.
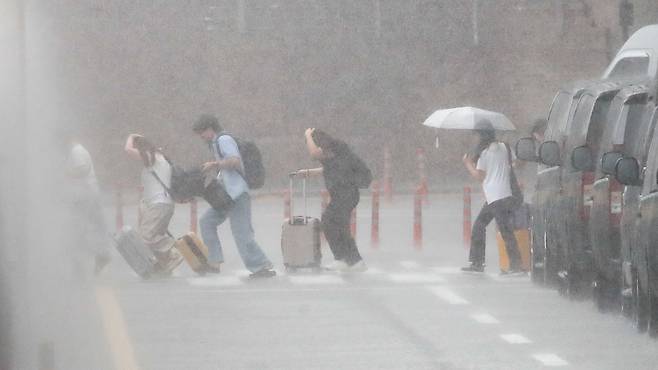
336	225
503	211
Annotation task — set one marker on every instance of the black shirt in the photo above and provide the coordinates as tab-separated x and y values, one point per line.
339	171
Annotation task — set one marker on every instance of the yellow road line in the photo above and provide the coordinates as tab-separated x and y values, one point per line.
115	329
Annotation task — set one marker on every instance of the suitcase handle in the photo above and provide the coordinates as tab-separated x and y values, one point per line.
291	221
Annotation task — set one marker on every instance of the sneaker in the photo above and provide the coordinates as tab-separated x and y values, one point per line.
358	267
473	268
212	267
265	272
337	265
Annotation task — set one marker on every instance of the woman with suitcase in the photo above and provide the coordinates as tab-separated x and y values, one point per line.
340	169
157	206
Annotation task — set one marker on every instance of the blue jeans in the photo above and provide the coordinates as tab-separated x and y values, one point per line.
243	233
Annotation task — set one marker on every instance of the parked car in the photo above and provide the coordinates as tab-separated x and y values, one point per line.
568	258
638	171
626	129
638	57
544	195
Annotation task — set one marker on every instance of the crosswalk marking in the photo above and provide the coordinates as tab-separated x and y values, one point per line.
218	281
316	279
448	295
485	318
515	339
550	359
410	265
415	278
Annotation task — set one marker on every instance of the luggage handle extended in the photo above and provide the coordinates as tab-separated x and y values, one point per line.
291	221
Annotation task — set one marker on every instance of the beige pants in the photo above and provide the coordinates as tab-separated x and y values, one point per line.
153	229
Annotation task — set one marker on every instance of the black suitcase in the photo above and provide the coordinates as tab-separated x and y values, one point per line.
135	252
300	237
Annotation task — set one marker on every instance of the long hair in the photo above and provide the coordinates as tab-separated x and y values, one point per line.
487	134
146	150
328	142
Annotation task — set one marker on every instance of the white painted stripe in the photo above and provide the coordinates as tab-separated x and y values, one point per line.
220	281
316	279
485	318
447	270
550	359
515	339
415	278
373	271
410	265
448	295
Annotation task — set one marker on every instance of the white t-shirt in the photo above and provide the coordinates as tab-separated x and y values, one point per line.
80	159
494	161
154	192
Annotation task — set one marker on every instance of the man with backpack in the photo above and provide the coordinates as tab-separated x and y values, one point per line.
233	180
344	173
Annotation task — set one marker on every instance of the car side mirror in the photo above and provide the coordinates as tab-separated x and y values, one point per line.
627	171
526	150
549	153
609	162
581	159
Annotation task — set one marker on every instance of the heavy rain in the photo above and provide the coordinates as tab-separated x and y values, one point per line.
328	184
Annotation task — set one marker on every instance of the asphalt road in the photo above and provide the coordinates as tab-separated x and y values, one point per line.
413	309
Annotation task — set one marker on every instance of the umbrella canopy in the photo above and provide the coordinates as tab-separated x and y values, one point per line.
466	118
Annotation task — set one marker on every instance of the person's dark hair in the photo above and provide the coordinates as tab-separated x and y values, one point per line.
146	150
326	141
205	122
538	126
485	129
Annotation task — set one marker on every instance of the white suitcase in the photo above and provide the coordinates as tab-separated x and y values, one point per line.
300	237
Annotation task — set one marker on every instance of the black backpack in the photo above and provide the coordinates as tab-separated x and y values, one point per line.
185	185
362	174
252	160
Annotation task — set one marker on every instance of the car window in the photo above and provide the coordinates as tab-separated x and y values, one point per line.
631	67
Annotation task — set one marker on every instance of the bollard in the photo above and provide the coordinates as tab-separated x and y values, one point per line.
119	209
374	226
467	217
418	218
193	215
286	204
388	182
140	192
422	174
353	223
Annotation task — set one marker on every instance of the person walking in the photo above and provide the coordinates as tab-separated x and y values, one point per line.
341	169
157	206
491	165
85	201
230	174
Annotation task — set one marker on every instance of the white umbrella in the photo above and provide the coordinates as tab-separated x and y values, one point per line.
466	118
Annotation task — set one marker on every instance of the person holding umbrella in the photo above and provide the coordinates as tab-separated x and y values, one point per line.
491	164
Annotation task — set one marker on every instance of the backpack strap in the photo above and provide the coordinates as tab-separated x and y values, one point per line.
167	190
218	148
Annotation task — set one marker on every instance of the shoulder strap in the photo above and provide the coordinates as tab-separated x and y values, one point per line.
509	156
219	151
167	190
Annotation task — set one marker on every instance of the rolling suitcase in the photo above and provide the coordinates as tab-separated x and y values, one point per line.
523	241
300	237
194	251
135	252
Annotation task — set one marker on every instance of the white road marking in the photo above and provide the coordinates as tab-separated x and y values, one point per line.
447	270
415	278
316	279
485	318
448	295
410	265
515	339
550	359
215	281
373	270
